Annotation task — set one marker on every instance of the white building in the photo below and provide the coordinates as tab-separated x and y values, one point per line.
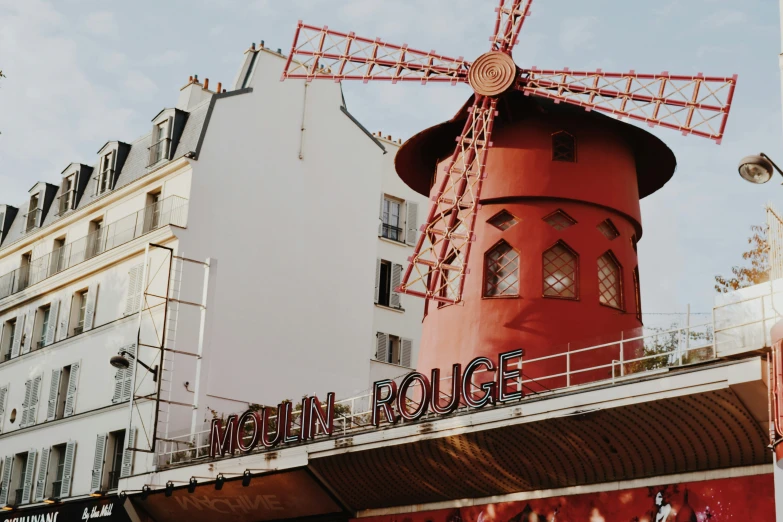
271	212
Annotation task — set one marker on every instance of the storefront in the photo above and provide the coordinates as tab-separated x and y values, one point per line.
108	509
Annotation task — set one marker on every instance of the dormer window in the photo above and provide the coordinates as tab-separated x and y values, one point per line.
159	150
67	194
106	172
34	213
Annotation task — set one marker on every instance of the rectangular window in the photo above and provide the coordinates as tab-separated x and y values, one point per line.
19	478
58	460
33	213
159	148
42	326
96	241
388	276
105	175
67	194
390	215
385	283
9	333
82	304
57	263
117	443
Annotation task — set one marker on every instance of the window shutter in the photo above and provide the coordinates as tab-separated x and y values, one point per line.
97	465
3	400
135	276
64	316
127	454
407	349
35	395
51	328
89	310
70	394
411	222
65	487
377	279
5	485
54	389
396	279
127	381
43	470
28	331
28	389
380	218
119	379
18	334
170	135
29	472
381	351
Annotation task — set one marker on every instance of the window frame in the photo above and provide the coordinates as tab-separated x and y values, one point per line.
7	341
577	286
514	220
637	293
385	218
563	213
620	276
105	171
486	273
556	135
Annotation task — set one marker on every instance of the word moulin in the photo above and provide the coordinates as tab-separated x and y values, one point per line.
246	431
396	404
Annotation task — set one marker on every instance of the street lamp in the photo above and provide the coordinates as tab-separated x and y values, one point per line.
758	169
121	362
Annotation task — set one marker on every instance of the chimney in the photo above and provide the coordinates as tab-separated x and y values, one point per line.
219	86
192	93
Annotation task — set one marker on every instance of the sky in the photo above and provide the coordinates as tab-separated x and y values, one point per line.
83	72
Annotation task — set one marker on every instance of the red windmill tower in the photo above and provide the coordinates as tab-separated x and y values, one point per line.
544	188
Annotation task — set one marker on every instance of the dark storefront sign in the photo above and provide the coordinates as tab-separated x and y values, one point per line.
102	510
276	496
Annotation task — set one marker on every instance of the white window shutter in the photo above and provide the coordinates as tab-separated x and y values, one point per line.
127	454
54	391
377	279
70	394
133	300
119	379
406	352
382	348
70	452
43	470
396	279
380	218
5	484
51	328
29	322
64	316
127	379
97	465
35	395
89	309
3	400
411	222
29	473
18	334
28	390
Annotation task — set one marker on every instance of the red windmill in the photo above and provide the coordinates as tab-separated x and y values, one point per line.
691	104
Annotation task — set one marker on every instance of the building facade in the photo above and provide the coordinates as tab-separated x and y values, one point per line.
192	258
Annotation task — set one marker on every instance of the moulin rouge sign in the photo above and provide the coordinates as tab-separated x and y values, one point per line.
243	433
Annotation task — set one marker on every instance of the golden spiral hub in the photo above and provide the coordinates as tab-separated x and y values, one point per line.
492	73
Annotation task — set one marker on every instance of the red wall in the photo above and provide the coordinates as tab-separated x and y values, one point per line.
733	499
523	180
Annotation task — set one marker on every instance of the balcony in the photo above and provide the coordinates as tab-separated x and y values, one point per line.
32	220
391	232
169	211
159	151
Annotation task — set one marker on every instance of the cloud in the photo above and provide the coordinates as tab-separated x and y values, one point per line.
724	18
577	33
165	58
101	23
140	85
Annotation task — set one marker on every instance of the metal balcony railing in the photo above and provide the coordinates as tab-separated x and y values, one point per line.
170	211
65	203
159	151
391	232
32	220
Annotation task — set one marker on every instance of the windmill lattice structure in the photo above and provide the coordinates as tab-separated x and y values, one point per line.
695	104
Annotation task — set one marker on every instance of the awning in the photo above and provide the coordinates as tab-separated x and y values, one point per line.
104	510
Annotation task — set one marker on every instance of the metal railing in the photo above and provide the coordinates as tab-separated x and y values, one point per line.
32	219
391	232
65	203
626	357
169	211
159	151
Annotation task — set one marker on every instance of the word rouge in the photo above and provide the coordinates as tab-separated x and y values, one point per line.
388	397
258	426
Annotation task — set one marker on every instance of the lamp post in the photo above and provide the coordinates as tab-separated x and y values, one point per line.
758	169
121	362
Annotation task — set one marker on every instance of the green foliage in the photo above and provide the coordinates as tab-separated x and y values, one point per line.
758	271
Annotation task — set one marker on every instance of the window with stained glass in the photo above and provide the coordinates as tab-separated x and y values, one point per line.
561	268
610	285
501	271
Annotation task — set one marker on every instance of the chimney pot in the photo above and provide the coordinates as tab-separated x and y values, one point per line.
279	51
190	80
195	78
262	44
389	137
218	87
253	46
206	84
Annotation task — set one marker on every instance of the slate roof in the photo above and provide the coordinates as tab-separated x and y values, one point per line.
135	168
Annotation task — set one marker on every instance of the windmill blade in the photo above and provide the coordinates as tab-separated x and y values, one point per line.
691	104
438	266
320	53
511	16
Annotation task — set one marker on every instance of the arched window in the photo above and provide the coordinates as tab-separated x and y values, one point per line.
501	271
637	293
561	272
610	281
563	147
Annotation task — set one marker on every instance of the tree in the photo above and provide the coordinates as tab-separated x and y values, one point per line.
757	272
